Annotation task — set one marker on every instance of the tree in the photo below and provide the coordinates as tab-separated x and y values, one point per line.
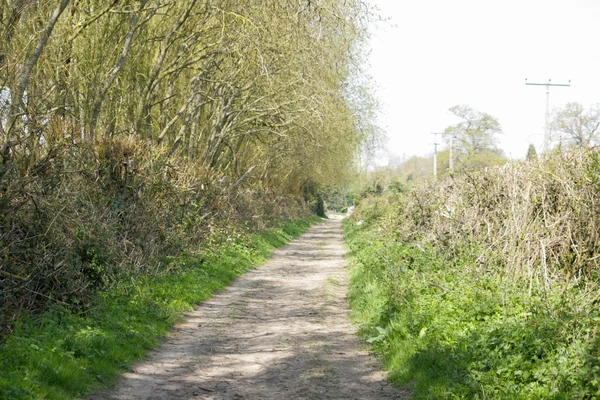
263	92
474	138
17	107
153	119
531	153
578	126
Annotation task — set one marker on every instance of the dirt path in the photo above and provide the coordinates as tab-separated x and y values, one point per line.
279	332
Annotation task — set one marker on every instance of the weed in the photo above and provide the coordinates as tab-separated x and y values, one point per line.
333	281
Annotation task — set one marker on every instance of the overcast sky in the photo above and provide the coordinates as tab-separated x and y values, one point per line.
434	54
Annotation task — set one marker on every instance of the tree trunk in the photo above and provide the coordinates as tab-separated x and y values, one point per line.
17	107
112	76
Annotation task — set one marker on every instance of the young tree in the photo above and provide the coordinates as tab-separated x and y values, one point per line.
531	153
577	125
17	108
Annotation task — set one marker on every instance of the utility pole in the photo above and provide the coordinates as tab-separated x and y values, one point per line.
435	145
451	161
547	139
451	154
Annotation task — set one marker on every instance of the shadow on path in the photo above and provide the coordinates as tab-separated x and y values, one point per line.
279	332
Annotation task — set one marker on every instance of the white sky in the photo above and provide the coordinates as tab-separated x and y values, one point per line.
434	54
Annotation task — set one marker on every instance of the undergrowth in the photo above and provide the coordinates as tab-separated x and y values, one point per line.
446	332
89	213
484	286
62	355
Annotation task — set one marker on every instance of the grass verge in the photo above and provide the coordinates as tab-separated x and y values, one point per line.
448	328
61	355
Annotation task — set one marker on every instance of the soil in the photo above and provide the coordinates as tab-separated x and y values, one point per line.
279	332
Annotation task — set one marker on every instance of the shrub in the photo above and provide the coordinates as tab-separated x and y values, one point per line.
485	285
76	217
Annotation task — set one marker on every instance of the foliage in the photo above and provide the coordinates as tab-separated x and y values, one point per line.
131	131
86	217
337	198
576	125
485	286
475	132
62	355
265	92
418	169
473	139
531	153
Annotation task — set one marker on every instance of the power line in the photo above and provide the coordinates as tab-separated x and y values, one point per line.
547	139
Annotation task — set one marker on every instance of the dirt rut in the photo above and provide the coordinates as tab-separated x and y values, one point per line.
279	332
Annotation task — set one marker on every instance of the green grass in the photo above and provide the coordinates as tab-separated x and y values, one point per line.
60	355
448	330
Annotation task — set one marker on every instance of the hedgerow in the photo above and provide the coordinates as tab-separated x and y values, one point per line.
485	285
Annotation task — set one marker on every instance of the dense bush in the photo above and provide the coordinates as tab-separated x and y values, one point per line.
83	216
485	286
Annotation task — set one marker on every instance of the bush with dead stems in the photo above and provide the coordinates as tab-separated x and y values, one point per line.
81	216
535	221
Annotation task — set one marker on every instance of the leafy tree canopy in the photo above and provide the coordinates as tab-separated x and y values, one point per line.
576	125
474	138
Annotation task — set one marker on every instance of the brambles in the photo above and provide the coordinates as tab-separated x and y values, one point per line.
485	286
88	216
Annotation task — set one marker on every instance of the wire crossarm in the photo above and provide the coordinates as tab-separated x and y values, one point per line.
547	138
